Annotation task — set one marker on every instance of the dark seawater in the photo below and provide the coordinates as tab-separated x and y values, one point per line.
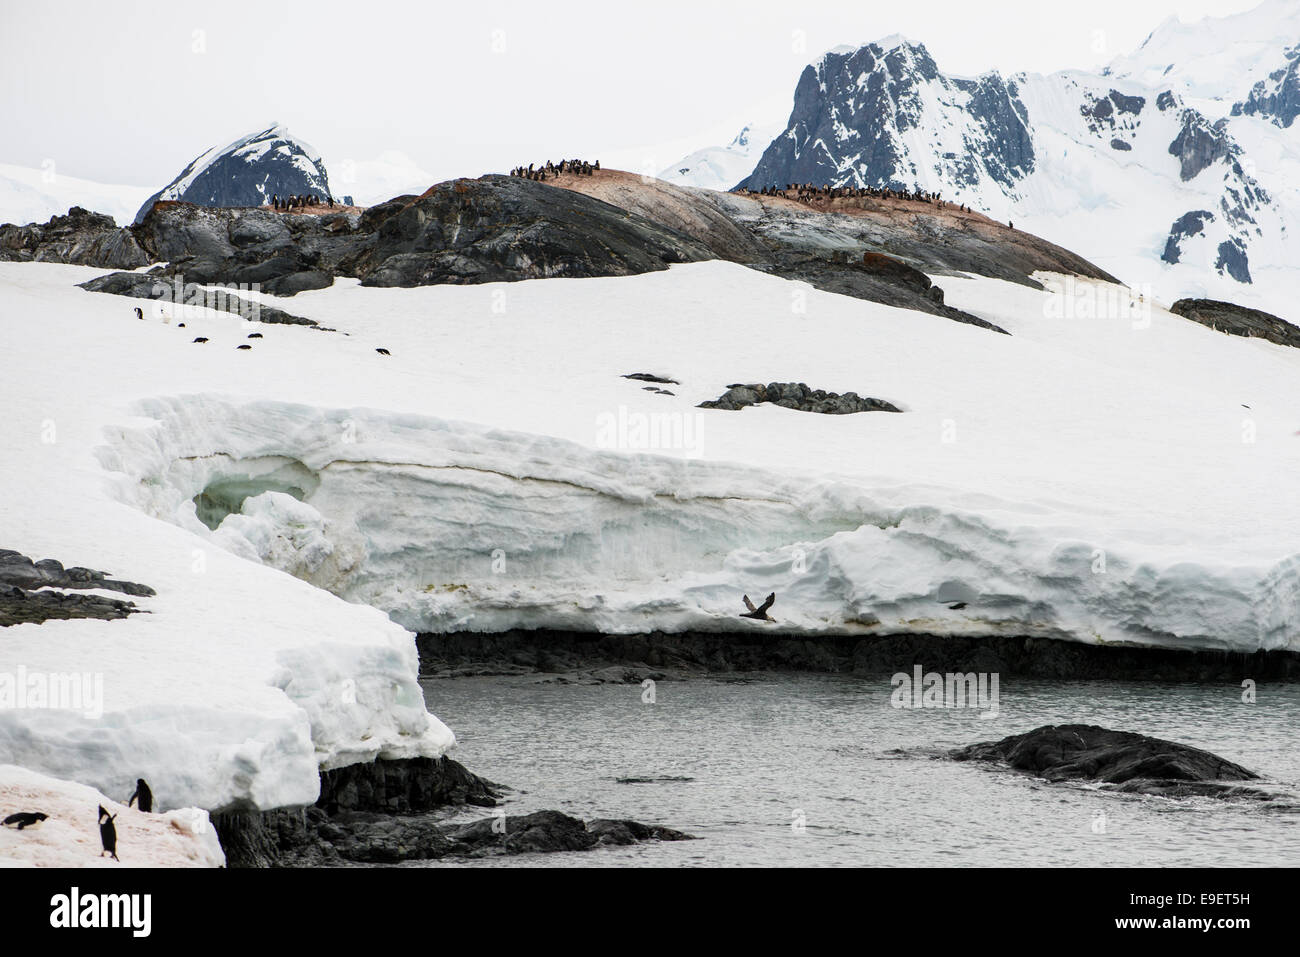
762	755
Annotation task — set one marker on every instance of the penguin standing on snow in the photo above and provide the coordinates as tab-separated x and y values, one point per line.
139	313
143	795
107	833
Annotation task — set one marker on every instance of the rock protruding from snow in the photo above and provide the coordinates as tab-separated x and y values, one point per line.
797	395
69	837
80	237
1238	320
34	592
248	172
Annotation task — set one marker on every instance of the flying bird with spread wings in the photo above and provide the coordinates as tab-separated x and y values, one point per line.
759	613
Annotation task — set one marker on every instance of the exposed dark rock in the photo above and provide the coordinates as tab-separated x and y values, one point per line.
1276	98
25	595
158	286
1199	144
1232	259
872	276
1166	101
1122	145
651	377
797	395
1238	320
248	172
505	228
403	787
852	112
1080	752
575	655
81	237
380	813
1186	226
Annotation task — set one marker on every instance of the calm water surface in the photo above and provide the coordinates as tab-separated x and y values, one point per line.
763	755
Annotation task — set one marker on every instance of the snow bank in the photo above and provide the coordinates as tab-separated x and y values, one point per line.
1097	479
70	836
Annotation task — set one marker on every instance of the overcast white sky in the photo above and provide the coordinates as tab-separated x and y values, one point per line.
130	91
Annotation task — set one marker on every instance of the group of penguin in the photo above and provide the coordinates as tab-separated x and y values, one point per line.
139	314
107	830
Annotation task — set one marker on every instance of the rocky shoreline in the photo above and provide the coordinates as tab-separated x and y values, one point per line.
592	657
392	811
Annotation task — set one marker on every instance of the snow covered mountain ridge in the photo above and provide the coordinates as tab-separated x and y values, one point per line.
1170	168
248	172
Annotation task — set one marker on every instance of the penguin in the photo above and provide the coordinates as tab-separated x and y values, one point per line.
24	819
139	313
254	335
107	834
180	325
957	606
759	613
383	352
143	795
244	346
200	338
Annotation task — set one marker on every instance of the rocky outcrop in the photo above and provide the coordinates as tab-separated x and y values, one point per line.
1238	320
81	237
797	395
1184	228
384	812
505	228
156	285
35	592
1079	752
248	172
1199	144
1276	98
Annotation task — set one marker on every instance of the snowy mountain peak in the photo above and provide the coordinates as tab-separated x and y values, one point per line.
248	172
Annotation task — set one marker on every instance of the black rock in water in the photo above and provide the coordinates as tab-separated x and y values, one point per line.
1082	752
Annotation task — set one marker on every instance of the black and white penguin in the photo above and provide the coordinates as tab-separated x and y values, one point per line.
200	338
24	819
254	335
139	313
383	352
143	795
244	346
107	833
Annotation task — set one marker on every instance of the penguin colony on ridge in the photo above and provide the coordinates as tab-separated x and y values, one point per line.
139	313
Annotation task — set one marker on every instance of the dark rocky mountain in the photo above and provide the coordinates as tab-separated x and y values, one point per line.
859	117
249	172
1276	98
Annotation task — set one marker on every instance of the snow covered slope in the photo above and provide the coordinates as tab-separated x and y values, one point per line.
1097	479
34	195
238	683
69	837
722	167
248	172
